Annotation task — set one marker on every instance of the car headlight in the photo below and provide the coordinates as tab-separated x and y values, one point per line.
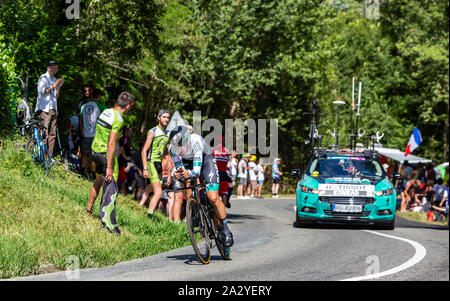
384	192
309	190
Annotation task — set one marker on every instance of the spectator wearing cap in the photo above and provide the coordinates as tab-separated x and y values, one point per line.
48	89
276	174
252	171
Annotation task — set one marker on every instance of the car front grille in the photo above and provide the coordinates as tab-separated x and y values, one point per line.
347	200
345	214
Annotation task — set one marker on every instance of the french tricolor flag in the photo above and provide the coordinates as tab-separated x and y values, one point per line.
414	141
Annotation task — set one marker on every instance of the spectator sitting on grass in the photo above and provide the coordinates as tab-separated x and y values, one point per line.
438	190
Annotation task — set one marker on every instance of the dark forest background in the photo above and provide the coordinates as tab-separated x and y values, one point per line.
242	59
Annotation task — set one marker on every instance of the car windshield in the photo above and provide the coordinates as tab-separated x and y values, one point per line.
345	167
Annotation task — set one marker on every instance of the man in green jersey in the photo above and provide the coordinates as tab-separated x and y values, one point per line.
104	153
152	155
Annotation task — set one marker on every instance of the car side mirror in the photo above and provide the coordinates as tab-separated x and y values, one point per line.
296	173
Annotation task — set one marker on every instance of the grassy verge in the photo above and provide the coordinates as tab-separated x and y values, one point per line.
43	222
420	217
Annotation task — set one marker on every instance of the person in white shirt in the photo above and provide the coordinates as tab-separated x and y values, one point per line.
232	165
253	176
232	171
242	175
261	169
48	89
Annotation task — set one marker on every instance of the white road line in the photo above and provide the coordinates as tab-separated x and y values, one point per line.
418	256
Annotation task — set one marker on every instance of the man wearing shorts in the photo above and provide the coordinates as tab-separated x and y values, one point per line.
193	159
104	153
253	176
152	155
276	177
242	175
89	114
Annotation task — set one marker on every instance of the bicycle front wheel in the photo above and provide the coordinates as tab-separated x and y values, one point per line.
31	148
198	231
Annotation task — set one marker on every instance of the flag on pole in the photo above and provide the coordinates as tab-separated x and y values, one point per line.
414	141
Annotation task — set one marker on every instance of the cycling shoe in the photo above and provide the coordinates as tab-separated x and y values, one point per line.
226	238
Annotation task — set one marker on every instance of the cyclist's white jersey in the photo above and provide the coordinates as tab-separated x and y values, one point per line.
194	150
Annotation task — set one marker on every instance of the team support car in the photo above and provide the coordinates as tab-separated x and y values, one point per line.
345	186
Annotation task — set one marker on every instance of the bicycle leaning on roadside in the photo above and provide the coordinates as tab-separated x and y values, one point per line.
203	225
36	145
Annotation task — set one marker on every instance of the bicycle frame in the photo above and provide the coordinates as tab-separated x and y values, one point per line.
206	207
39	149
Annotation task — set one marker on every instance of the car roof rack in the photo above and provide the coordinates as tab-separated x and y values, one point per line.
324	152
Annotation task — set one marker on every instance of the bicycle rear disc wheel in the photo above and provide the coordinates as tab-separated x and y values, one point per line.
198	231
224	252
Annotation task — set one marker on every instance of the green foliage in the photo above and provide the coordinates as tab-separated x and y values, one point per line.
246	59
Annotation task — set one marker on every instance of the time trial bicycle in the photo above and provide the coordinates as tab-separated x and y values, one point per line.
203	224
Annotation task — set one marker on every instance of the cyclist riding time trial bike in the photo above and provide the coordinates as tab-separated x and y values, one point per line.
203	225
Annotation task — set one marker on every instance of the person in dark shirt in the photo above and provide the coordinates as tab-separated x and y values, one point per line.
124	158
139	181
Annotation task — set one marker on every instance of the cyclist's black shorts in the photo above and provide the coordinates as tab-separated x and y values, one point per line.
100	163
209	174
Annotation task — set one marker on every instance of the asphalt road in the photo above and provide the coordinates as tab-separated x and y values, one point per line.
268	248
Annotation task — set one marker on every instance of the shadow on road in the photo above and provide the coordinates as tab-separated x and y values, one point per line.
399	223
191	259
239	218
335	225
405	223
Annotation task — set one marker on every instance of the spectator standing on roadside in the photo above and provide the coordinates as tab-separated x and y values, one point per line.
276	174
430	173
124	159
242	175
232	171
89	114
73	139
152	155
445	202
104	153
86	92
261	169
48	90
222	156
139	181
421	173
167	196
252	176
232	165
408	175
